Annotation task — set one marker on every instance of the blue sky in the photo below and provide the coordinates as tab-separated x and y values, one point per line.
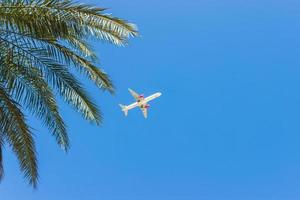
226	127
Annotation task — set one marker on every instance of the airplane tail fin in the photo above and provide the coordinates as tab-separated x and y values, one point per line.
124	109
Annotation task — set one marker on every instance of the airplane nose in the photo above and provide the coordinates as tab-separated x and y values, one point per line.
159	93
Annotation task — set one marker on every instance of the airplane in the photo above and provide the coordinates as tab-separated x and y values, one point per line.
141	102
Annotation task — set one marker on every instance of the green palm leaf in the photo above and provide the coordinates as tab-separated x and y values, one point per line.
18	135
44	47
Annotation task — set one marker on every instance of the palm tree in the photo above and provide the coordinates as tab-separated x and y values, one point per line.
43	45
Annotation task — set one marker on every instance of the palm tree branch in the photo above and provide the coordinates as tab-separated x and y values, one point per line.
64	54
30	89
66	16
62	80
19	136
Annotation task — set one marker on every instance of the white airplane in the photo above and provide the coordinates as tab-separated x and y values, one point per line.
141	102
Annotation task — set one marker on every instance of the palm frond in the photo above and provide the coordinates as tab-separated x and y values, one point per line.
44	46
60	18
60	78
30	89
19	136
100	78
63	55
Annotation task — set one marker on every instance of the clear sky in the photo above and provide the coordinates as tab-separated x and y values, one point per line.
227	126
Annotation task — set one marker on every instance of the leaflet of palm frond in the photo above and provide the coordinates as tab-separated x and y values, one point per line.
80	46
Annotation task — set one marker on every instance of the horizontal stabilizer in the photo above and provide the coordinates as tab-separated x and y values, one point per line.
124	109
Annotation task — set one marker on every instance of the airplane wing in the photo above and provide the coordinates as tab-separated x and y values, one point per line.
145	111
134	94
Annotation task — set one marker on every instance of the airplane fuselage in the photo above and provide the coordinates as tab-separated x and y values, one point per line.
143	102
